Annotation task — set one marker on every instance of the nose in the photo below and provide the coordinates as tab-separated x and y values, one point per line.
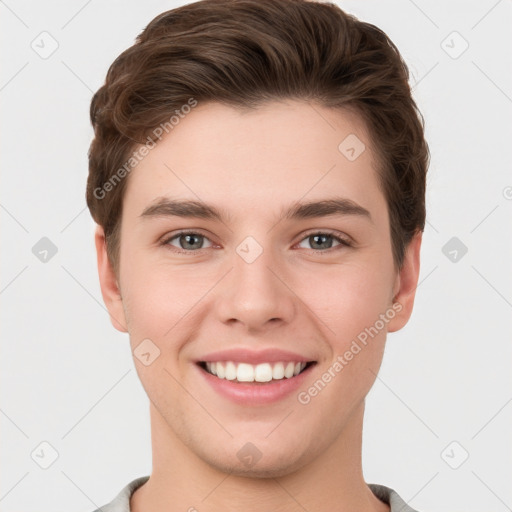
255	294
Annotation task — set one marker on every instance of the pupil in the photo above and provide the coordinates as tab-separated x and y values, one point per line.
324	244
188	239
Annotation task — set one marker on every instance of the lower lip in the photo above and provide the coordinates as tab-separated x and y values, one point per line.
255	393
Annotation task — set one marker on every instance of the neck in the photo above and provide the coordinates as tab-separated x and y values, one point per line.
181	481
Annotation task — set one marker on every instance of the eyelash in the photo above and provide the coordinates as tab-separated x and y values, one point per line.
342	241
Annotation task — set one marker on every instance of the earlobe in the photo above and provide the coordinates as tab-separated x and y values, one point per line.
108	283
406	283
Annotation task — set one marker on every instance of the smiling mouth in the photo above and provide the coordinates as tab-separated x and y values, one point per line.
255	373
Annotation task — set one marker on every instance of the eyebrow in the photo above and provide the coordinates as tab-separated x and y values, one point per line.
167	207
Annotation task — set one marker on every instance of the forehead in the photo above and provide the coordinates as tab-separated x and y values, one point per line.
258	160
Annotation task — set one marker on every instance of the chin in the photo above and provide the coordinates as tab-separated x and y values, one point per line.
270	469
252	462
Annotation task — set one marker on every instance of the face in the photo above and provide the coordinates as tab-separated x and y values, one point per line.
268	288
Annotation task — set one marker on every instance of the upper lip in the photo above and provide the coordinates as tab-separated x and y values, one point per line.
245	355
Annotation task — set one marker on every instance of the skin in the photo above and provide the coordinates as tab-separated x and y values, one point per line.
253	164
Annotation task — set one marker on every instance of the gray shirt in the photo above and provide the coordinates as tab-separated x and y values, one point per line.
121	503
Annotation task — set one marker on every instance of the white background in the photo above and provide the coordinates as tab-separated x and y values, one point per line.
68	377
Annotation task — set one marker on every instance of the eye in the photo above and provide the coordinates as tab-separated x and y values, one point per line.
189	241
192	241
323	240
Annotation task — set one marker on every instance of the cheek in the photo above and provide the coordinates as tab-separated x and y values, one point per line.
349	299
160	296
356	334
163	305
158	305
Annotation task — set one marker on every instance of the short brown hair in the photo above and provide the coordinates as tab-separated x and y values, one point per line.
243	53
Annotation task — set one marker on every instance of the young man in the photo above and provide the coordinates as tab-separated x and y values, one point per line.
258	180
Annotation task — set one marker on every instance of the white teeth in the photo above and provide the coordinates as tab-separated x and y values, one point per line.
278	371
245	373
263	372
220	370
288	371
230	370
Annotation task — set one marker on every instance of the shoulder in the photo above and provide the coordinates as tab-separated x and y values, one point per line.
121	503
391	497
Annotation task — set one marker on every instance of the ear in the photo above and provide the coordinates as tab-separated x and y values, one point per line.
405	285
108	283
